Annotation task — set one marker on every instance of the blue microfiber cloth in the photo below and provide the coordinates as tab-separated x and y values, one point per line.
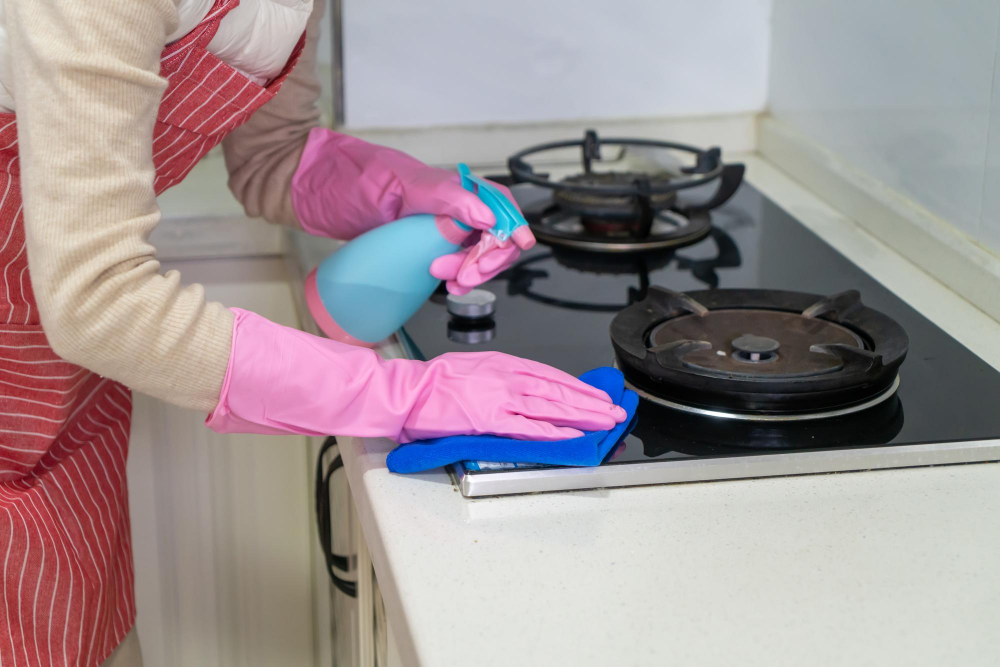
590	449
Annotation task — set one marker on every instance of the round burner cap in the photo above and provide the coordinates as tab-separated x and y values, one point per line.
475	305
751	344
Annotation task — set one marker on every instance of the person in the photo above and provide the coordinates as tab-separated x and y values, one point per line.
106	104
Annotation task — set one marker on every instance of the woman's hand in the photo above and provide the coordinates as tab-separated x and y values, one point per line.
474	393
281	380
345	186
482	258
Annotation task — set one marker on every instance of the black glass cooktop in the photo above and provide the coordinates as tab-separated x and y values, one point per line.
556	307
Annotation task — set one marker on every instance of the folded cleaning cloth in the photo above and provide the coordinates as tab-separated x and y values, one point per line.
590	449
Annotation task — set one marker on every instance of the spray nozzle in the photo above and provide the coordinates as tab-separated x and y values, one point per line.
507	216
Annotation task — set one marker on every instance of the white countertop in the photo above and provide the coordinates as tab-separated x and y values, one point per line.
887	567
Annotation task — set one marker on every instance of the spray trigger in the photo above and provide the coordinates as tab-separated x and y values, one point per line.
507	216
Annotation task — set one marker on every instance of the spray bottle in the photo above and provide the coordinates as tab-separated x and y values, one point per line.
372	285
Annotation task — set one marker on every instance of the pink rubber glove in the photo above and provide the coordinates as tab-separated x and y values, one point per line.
482	261
344	187
282	381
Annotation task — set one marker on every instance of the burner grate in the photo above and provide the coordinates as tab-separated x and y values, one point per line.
595	204
624	212
759	352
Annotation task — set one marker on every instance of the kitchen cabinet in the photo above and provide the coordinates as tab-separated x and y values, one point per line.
360	631
222	527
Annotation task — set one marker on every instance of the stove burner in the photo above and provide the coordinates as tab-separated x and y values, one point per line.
663	429
558	227
596	206
759	354
717	343
624	212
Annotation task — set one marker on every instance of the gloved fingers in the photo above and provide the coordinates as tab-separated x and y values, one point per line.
522	428
440	191
446	267
556	377
465	284
451	232
562	414
484	261
474	237
451	199
471	281
456	289
467	269
472	275
497	258
561	395
468	273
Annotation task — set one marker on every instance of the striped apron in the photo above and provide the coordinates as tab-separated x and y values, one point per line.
66	579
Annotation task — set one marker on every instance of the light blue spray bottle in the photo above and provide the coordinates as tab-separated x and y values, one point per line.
372	285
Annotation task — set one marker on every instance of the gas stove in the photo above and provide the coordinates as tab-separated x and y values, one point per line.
623	212
757	349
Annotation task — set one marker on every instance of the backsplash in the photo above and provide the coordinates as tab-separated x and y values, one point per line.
436	62
906	90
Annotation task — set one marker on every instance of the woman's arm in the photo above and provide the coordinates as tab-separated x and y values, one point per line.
263	153
87	88
87	91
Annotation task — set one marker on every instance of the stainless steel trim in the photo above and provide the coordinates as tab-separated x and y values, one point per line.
337	59
767	418
716	469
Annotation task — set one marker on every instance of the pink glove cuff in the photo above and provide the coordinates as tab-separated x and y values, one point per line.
254	361
310	182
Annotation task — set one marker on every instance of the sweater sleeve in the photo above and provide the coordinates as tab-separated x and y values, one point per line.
263	153
87	87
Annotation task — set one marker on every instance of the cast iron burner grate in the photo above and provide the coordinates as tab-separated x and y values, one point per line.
624	212
763	355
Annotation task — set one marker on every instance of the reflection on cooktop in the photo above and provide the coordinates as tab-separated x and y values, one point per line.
528	277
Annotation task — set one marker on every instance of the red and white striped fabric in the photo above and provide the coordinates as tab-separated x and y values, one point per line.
66	580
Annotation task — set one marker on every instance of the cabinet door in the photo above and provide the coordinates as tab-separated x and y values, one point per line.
222	534
338	614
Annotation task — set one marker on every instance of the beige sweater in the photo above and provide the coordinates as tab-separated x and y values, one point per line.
87	86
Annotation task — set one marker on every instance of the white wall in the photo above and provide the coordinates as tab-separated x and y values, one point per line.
450	62
905	90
